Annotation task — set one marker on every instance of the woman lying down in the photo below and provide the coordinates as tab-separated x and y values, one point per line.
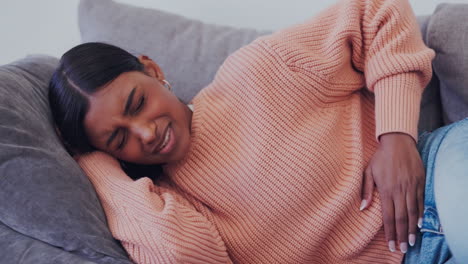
303	149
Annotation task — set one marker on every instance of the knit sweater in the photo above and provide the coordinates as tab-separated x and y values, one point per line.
279	143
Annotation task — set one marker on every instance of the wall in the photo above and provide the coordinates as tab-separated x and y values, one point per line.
50	26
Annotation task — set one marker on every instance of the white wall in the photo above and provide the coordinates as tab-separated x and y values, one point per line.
50	26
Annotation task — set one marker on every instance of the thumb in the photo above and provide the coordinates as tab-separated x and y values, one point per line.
367	189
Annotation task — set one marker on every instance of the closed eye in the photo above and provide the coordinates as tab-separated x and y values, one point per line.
140	104
122	141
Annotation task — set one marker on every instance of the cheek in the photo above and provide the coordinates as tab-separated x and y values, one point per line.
132	151
164	107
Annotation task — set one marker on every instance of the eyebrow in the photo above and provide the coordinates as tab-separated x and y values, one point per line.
129	101
126	110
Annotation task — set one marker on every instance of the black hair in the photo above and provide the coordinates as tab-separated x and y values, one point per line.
82	71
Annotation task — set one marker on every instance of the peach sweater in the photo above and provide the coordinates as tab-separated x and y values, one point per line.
280	140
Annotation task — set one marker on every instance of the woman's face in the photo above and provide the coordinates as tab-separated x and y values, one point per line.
137	119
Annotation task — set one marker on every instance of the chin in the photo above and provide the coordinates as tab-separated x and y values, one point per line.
181	151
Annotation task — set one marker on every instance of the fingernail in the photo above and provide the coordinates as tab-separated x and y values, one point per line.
403	247
363	204
391	245
420	222
412	239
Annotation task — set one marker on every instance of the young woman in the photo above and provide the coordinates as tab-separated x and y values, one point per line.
276	160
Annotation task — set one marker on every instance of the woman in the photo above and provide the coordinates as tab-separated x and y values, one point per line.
281	149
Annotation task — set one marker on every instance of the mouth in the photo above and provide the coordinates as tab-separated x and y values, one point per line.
167	143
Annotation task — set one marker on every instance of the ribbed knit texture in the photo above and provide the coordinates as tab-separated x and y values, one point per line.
280	140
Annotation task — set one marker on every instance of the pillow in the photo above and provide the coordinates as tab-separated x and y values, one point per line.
18	248
447	34
430	117
188	51
44	193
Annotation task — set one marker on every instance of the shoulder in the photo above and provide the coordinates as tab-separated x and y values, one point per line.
251	60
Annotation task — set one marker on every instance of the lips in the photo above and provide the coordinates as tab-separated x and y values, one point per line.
163	140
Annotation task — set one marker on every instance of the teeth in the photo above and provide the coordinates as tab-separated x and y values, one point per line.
166	139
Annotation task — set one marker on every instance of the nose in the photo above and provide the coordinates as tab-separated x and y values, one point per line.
145	130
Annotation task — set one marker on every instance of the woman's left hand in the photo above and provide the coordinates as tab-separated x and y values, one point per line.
398	172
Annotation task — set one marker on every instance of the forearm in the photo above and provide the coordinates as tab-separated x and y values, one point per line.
397	68
374	44
154	223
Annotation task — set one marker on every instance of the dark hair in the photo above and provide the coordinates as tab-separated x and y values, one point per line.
82	71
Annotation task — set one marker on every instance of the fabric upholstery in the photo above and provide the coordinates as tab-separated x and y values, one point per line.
19	248
448	35
188	51
44	193
430	117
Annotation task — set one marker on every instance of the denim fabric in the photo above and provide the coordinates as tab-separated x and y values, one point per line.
431	245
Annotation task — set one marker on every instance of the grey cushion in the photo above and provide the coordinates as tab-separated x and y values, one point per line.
19	248
447	34
431	108
188	51
44	193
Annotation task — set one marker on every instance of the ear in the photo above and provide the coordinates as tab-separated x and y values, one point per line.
151	68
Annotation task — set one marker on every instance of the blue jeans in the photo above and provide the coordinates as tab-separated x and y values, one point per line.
445	156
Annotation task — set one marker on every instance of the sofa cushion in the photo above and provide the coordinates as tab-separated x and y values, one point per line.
447	34
19	248
44	193
430	117
188	51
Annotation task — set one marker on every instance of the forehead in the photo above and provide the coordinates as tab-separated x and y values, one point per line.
106	105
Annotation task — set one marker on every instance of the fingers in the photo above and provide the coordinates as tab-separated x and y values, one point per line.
388	212
413	216
420	199
367	189
401	215
395	218
401	221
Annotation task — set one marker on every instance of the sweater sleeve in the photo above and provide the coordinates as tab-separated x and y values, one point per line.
153	223
357	43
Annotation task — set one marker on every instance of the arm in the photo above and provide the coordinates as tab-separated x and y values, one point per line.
376	44
371	43
154	224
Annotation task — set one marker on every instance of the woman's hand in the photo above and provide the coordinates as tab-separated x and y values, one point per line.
398	172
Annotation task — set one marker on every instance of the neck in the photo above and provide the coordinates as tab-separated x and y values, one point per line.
189	114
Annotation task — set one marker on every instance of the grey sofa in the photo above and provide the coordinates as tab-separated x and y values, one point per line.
49	210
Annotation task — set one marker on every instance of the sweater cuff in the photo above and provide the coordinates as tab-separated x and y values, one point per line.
397	104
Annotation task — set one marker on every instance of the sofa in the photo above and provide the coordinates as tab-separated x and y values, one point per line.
50	212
